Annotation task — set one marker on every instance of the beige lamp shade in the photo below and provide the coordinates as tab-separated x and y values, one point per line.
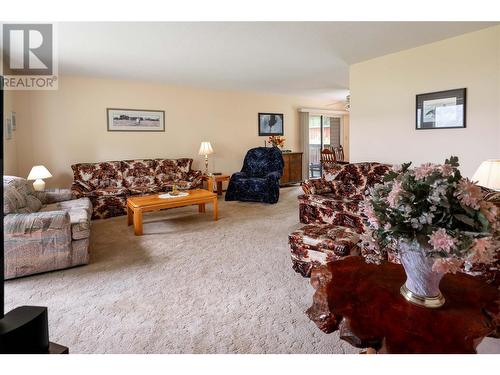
39	172
205	149
488	174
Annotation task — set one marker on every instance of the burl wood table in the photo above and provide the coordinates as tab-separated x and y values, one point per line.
363	302
138	205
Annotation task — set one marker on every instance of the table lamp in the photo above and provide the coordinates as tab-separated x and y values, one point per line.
38	173
206	149
488	174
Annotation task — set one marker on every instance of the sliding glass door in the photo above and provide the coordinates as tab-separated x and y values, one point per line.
324	132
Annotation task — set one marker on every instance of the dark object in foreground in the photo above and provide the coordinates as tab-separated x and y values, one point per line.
25	330
363	302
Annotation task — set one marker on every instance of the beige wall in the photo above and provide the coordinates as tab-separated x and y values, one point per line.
69	125
10	145
382	124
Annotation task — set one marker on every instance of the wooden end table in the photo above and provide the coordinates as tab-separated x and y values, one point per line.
138	205
363	302
216	179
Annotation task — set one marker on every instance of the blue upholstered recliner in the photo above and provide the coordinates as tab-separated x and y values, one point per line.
259	179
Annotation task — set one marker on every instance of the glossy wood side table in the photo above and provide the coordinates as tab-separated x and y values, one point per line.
362	301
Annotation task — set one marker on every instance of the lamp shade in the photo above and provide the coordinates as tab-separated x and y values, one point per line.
488	174
39	172
206	149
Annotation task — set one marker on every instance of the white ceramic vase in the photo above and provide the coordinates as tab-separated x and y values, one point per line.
422	283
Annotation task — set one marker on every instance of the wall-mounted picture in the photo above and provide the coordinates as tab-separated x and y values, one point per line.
8	128
441	110
271	124
135	120
13	119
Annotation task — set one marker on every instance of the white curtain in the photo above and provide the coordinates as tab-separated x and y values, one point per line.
304	134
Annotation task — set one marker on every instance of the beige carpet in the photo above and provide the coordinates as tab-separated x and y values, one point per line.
188	285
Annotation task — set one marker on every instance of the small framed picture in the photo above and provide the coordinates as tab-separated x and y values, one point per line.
8	128
13	119
441	110
270	124
135	120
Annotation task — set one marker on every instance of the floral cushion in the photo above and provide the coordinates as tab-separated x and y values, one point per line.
313	245
168	170
333	202
184	164
91	176
139	174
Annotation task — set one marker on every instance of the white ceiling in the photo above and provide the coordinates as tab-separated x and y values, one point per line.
298	58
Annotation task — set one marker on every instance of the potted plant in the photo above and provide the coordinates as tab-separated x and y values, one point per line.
435	220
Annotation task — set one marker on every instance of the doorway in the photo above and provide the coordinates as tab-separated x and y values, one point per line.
324	132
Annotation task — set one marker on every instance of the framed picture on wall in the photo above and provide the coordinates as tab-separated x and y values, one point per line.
270	124
8	128
13	119
135	120
441	110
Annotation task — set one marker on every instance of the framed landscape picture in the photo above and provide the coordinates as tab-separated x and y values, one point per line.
271	124
441	110
135	120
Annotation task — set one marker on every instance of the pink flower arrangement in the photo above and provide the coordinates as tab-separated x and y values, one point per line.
438	210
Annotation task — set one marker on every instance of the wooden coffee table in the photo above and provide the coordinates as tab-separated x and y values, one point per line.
138	205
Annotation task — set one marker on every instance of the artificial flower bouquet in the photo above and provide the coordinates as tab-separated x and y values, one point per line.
277	140
436	209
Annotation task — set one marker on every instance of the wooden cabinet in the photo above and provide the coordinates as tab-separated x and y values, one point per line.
292	172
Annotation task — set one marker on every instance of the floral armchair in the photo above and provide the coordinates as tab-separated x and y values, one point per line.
259	179
336	197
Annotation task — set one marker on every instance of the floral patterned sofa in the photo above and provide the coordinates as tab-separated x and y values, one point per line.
43	231
108	184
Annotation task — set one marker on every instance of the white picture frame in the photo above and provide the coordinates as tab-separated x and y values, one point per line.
135	120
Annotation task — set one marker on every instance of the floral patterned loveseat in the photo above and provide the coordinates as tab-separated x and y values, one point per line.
108	184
